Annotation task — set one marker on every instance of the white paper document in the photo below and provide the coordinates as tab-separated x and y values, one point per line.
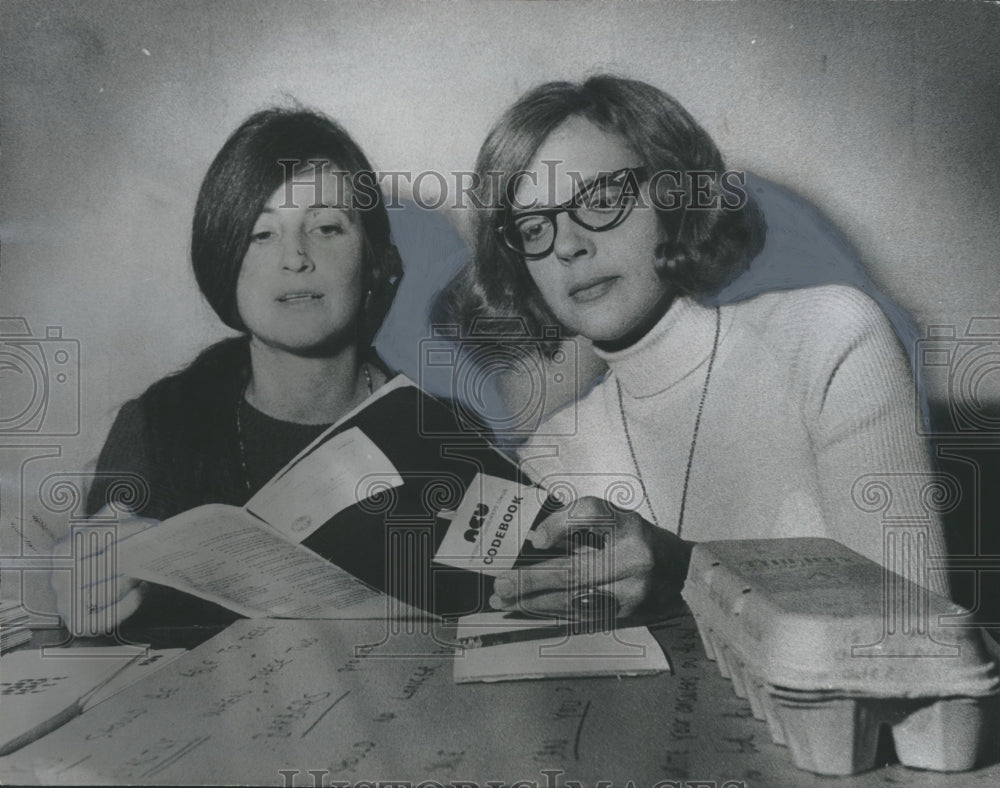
500	646
328	478
40	691
139	668
225	555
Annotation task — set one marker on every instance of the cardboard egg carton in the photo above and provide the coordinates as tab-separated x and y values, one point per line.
828	647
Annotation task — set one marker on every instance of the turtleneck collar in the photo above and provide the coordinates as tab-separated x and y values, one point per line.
674	348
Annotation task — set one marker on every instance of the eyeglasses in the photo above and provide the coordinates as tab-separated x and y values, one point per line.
600	206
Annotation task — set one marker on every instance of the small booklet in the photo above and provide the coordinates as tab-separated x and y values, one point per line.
501	646
394	499
13	625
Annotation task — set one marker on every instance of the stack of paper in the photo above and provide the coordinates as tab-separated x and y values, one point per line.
13	625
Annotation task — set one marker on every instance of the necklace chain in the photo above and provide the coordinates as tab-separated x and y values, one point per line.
239	422
694	433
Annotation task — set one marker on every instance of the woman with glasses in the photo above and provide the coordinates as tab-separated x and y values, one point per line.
614	217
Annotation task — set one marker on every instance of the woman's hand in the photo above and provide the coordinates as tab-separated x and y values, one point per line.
97	599
609	550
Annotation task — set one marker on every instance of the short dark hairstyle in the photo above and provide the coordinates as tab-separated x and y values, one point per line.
705	249
244	175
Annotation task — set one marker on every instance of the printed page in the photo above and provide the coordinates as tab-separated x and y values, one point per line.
325	480
325	476
225	555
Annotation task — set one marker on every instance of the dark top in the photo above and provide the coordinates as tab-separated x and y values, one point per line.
268	443
181	438
194	440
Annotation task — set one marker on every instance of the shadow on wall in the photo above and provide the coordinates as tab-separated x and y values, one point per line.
953	368
432	253
802	249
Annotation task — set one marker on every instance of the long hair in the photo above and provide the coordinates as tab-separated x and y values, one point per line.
705	248
248	169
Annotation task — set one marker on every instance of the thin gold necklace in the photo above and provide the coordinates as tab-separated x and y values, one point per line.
239	422
694	434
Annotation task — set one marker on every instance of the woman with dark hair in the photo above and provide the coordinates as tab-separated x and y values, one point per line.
609	213
291	247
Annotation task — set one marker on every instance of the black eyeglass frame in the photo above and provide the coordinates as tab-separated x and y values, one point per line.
628	202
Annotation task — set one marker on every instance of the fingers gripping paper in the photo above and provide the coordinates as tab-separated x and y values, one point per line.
221	554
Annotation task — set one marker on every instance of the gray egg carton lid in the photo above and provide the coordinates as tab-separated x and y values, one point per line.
809	614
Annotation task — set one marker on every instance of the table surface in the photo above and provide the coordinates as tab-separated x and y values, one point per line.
268	702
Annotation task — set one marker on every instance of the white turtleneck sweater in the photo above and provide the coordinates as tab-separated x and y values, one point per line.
808	426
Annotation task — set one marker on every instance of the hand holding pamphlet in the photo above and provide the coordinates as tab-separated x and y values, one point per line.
375	504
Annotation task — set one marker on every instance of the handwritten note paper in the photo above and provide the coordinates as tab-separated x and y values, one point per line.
39	692
268	701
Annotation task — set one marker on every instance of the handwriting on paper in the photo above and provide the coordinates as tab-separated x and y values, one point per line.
107	732
219	707
30	686
159	757
445	762
200	668
283	723
416	680
273	667
347	763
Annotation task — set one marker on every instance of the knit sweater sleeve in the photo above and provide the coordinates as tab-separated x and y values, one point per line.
129	473
874	467
126	470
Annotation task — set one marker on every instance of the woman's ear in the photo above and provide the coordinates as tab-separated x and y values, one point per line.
385	272
392	271
393	264
672	257
669	257
384	283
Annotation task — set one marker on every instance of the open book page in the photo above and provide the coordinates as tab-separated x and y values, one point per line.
225	555
534	649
